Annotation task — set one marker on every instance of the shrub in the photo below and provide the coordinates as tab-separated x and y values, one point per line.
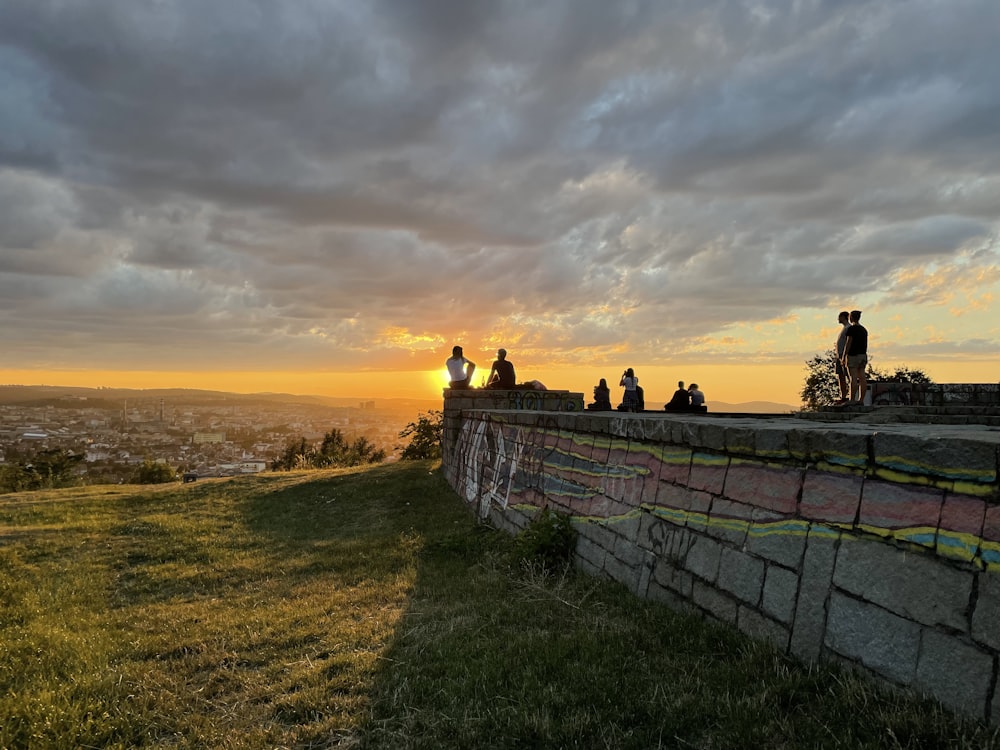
549	539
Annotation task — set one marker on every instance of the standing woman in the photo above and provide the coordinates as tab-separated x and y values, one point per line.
630	382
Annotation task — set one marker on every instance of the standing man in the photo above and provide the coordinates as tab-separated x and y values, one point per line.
856	358
460	369
502	372
840	367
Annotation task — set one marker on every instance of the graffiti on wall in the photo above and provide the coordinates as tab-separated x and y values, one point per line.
610	479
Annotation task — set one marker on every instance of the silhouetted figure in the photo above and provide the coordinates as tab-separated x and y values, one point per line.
629	382
602	397
681	399
460	369
502	372
857	357
697	398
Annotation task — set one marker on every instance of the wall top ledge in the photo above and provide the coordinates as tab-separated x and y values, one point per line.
652	423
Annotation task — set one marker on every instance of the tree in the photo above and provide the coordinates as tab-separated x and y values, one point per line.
46	469
821	389
425	437
334	451
152	472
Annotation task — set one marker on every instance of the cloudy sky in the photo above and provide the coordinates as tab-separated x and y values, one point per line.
259	192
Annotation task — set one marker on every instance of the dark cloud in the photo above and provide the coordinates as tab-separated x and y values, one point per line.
304	177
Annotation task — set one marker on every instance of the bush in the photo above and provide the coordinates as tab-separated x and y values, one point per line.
549	539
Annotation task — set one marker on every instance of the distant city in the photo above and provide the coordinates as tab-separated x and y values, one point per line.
203	433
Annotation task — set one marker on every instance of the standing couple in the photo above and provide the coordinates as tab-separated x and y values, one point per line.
852	358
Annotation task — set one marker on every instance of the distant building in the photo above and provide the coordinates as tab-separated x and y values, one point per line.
208	437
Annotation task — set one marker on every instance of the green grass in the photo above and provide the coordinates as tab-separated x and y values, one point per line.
366	608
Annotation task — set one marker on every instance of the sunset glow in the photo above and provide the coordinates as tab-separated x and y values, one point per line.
323	198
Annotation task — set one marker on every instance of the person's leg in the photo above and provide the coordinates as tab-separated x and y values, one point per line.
856	375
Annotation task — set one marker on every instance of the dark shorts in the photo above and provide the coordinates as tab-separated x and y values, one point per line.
857	361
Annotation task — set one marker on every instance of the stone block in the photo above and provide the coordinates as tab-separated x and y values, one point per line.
831	498
781	540
955	673
989	550
709	435
729	521
655	534
590	555
883	642
911	584
986	615
740	441
769	486
702	557
708	472
676	464
844	446
948	457
714	603
814	589
598	534
670	577
628	552
646	566
762	628
671	599
901	511
771	443
961	527
624	574
781	588
741	575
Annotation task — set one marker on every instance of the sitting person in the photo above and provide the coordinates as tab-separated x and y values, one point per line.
602	397
681	399
697	398
460	369
502	372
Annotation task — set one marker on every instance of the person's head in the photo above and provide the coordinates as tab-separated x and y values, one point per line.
501	354
842	318
855	316
603	385
693	387
629	373
456	351
680	384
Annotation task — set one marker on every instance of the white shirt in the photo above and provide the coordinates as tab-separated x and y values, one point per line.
456	367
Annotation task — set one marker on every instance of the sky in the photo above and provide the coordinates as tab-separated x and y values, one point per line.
324	196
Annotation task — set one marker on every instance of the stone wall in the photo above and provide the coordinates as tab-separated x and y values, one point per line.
879	547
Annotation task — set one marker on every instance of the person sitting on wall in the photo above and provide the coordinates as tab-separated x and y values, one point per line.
502	372
602	397
460	369
680	401
697	398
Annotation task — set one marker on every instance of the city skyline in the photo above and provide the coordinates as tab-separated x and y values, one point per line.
323	197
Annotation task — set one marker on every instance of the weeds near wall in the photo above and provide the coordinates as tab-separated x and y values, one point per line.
548	542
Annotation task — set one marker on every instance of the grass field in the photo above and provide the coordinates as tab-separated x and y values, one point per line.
366	608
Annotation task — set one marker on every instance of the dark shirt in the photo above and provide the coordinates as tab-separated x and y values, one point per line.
505	374
858	336
680	401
